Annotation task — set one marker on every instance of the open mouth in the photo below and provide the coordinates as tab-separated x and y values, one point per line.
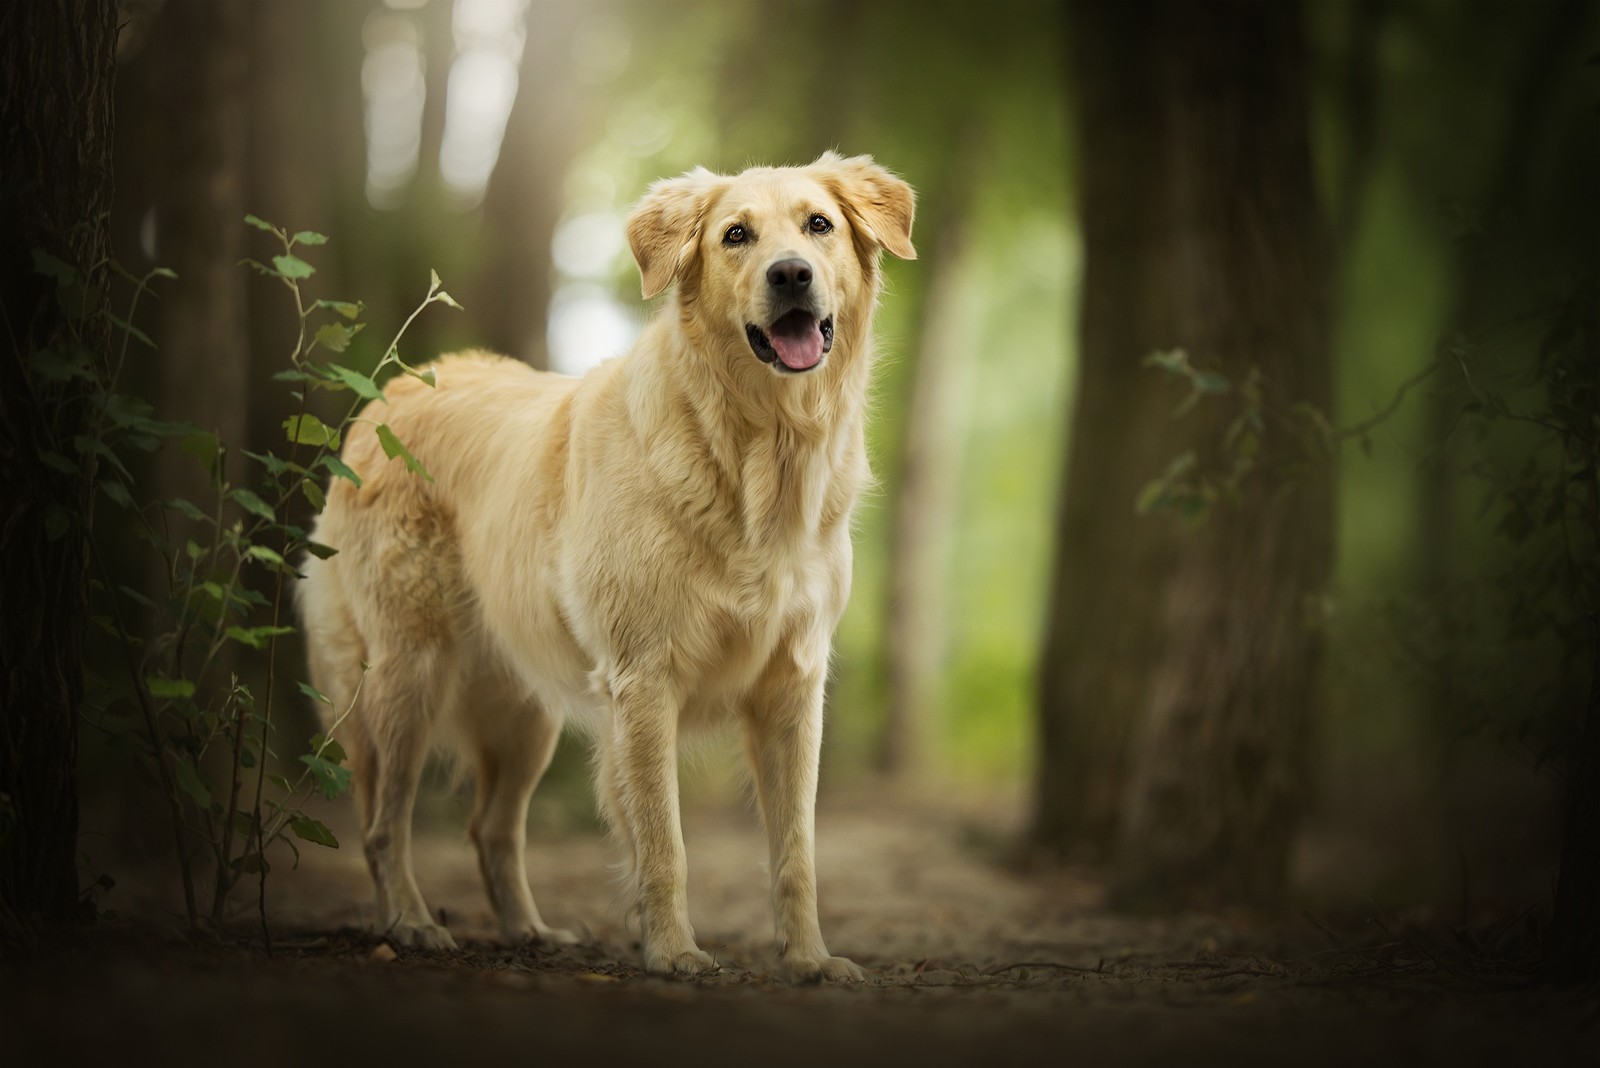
795	341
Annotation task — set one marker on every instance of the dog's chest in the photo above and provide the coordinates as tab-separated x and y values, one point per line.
766	607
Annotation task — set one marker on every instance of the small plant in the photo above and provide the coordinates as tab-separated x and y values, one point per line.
201	731
1257	439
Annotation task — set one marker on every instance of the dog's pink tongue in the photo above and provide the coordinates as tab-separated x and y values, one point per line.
797	341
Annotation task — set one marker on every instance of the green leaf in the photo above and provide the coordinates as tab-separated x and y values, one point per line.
308	237
348	309
161	686
293	267
203	447
315	694
273	465
136	597
128	328
1151	497
271	558
260	224
330	777
117	492
250	863
321	551
357	381
309	430
254	505
341	469
444	298
313	494
53	267
1175	362
335	337
55	366
392	447
191	782
329	749
57	462
256	637
1210	382
312	830
433	281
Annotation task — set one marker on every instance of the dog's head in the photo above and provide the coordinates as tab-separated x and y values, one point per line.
775	257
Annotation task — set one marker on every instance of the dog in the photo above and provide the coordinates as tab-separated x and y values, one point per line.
657	546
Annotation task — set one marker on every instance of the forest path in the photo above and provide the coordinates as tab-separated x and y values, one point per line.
968	964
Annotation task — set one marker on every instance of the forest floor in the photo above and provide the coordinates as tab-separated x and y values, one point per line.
969	962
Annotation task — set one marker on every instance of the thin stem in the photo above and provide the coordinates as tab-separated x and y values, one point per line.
158	748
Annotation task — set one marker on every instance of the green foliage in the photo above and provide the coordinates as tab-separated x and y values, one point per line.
1245	450
224	566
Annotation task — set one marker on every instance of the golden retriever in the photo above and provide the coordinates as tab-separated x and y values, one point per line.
661	544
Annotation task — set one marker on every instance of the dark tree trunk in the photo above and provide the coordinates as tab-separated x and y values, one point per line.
1572	945
1180	670
201	68
57	64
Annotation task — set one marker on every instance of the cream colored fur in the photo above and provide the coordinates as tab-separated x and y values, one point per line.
661	544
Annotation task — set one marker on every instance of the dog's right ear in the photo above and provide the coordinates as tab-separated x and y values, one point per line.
664	228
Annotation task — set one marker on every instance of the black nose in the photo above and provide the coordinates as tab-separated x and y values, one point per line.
789	276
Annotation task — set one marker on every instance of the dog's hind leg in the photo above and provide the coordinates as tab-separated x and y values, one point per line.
510	761
402	693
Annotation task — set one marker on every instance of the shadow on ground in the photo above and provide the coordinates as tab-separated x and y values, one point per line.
969	963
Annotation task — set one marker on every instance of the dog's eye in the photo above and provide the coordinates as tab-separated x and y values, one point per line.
819	224
735	235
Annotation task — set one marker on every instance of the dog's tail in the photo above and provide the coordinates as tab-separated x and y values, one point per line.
335	649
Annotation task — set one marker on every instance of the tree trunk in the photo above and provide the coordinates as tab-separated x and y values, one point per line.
510	297
1572	945
925	501
57	63
201	63
1180	672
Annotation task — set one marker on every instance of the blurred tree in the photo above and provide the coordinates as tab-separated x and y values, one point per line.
509	297
304	60
1486	296
200	65
923	513
1179	672
56	69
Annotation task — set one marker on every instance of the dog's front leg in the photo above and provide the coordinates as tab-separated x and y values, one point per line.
785	739
644	776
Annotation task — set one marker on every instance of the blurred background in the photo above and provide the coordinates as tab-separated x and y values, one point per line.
1302	604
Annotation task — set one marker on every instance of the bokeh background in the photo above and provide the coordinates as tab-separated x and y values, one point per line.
502	142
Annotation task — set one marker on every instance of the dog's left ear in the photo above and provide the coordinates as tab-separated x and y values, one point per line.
878	203
664	228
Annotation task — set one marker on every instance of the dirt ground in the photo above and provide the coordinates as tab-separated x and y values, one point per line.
969	963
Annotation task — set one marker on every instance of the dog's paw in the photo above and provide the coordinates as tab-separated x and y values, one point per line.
423	935
686	963
537	934
816	969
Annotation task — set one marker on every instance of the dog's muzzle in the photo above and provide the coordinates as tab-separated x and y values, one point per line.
796	339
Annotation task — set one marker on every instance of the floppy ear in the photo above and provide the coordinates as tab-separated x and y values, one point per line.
664	227
878	203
